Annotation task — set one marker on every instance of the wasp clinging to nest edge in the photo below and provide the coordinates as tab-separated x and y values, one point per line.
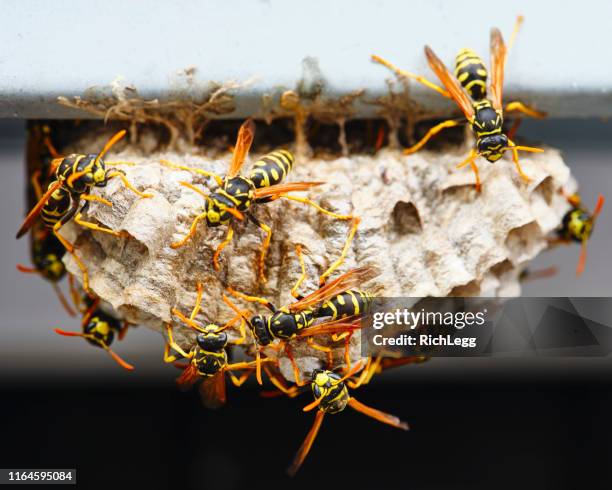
75	176
483	110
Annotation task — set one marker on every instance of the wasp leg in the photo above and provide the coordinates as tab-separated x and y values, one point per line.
222	245
366	373
511	133
515	31
35	181
451	123
62	299
296	371
470	161
206	173
252	299
322	348
524	109
345	249
92	226
294	289
290	391
264	246
192	230
69	246
198	303
89	197
239	381
407	74
305	200
385	418
171	344
515	159
126	183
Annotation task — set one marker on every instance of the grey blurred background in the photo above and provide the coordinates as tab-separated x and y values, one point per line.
29	308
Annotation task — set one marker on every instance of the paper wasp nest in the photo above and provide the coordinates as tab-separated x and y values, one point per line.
422	224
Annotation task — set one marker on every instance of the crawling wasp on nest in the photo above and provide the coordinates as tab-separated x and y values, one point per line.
99	328
207	359
483	109
46	251
74	177
577	226
237	194
297	320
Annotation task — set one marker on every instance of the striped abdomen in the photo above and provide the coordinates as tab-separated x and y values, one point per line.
348	303
471	73
271	169
56	207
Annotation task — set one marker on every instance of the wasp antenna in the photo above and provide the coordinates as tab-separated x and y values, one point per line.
68	334
117	359
110	144
600	202
26	270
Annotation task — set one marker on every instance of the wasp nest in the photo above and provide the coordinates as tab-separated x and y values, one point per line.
423	226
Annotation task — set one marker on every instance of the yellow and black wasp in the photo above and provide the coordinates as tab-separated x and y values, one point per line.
482	109
577	226
332	396
75	175
46	251
208	360
237	193
100	328
297	320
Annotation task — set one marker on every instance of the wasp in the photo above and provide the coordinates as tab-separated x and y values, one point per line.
208	360
332	396
237	194
47	252
75	176
483	109
100	328
297	320
577	226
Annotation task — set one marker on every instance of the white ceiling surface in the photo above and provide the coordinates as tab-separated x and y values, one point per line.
65	48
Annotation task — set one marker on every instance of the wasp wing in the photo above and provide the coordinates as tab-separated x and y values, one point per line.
498	62
450	83
349	324
350	280
188	377
307	444
212	391
244	140
276	190
32	215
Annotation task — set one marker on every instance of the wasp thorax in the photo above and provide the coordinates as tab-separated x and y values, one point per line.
579	224
52	267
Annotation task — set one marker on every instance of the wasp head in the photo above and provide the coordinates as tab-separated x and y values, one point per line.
101	331
492	147
212	339
259	326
